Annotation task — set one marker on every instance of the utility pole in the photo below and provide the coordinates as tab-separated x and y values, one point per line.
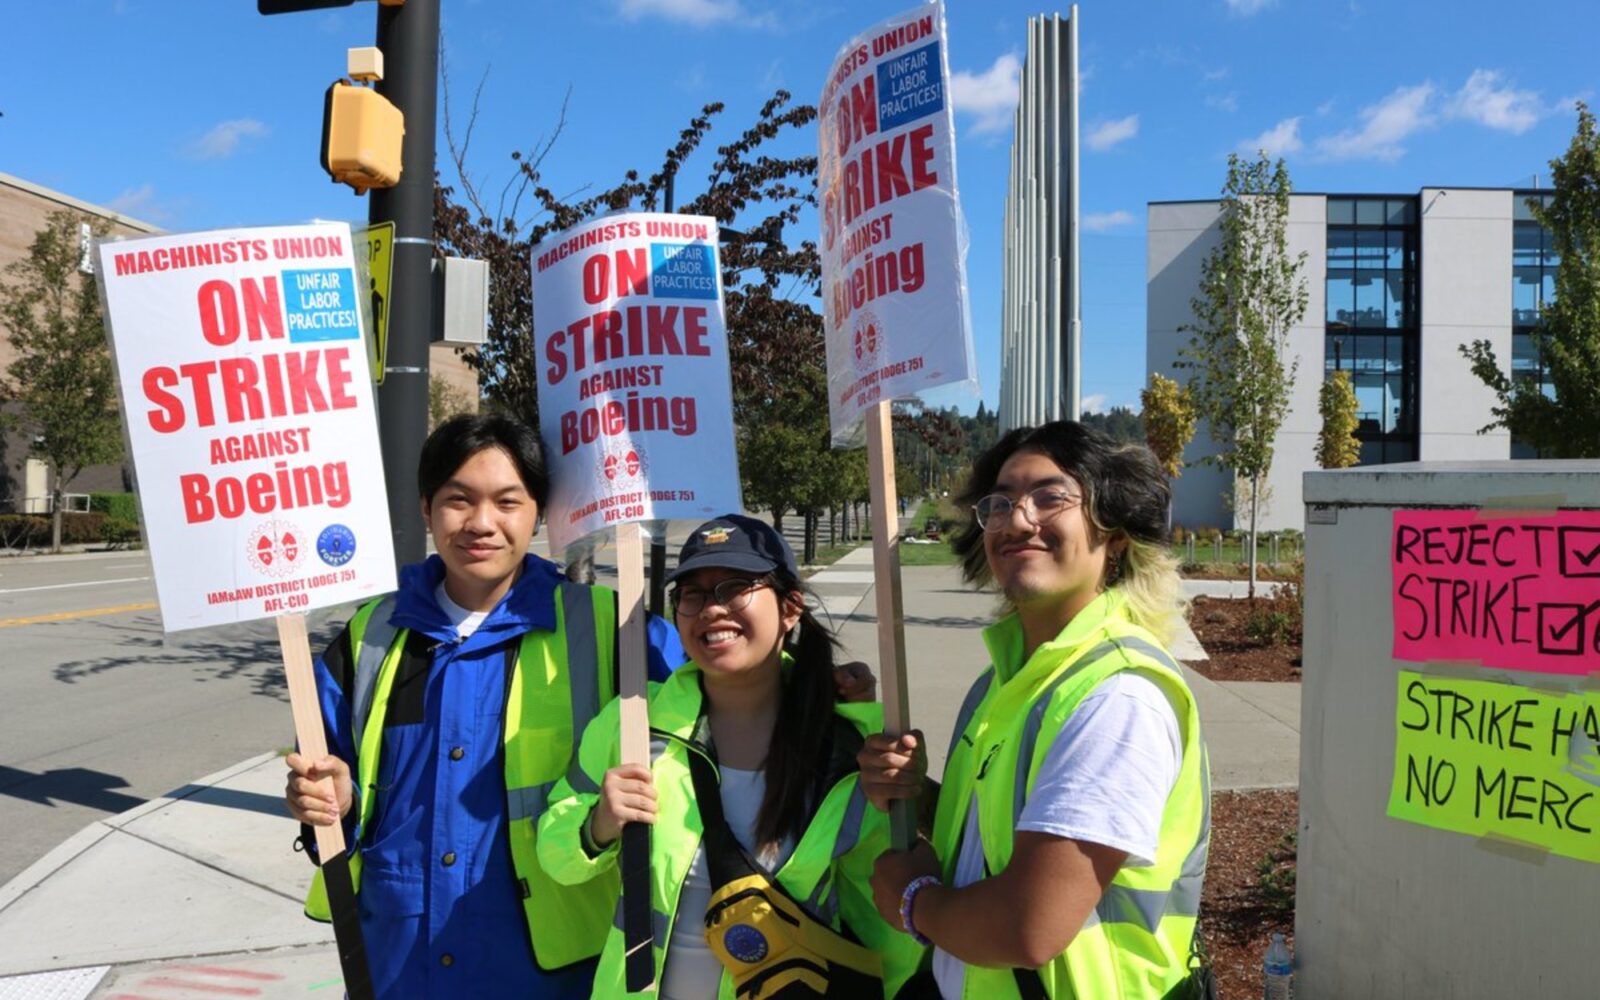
408	35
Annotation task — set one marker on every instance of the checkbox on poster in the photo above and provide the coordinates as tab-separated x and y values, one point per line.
1580	551
1561	629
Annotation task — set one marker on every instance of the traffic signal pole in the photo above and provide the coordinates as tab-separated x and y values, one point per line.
409	37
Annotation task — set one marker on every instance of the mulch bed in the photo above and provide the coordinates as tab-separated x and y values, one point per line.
1222	626
1237	914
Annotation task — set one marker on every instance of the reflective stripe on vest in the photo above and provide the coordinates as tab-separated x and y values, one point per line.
969	705
528	803
372	639
824	899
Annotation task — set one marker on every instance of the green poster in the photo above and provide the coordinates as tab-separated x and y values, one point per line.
1501	760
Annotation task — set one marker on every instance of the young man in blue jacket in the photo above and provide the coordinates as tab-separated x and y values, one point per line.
455	704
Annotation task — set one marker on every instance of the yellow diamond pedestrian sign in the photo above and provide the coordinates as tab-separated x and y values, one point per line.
375	248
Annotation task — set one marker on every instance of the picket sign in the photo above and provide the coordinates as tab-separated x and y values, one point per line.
250	420
636	405
894	280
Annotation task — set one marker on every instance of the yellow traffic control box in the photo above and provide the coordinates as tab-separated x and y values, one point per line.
361	137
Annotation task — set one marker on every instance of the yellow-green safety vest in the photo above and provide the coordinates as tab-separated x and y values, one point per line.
1135	944
561	680
828	872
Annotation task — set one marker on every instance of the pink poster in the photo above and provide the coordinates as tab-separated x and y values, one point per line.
1507	591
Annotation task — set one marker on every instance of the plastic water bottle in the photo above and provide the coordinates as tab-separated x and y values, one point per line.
1278	971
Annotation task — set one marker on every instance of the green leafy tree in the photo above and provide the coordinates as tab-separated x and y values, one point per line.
1337	444
1568	336
1168	421
1118	423
445	401
62	377
1252	291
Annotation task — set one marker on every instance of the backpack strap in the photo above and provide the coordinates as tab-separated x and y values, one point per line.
376	638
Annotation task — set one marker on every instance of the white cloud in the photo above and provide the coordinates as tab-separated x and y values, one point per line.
1385	125
140	203
1486	100
1107	134
989	97
1279	140
699	13
1244	8
1228	102
224	138
1095	403
1099	222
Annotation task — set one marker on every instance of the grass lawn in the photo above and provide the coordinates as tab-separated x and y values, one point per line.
937	554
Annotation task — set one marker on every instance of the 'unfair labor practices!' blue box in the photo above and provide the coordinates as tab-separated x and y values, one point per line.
910	87
682	271
321	305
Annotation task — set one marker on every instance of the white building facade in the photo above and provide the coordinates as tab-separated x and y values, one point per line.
1396	283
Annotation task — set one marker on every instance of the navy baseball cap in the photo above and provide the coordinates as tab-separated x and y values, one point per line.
734	541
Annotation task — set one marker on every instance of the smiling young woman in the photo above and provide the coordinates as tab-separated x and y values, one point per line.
761	844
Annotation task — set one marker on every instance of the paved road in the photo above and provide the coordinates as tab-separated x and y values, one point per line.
102	712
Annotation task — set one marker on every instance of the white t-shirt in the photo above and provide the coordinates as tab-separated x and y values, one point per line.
1105	780
692	971
466	622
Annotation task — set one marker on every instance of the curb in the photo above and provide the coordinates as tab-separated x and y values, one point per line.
63	853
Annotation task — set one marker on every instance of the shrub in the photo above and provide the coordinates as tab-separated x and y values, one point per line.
19	531
1275	875
116	506
1279	619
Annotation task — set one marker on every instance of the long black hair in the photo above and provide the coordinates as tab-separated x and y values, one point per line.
802	735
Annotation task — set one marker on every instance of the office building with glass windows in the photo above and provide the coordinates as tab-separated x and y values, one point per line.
1396	284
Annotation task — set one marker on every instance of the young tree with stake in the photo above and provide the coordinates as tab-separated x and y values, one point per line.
1252	291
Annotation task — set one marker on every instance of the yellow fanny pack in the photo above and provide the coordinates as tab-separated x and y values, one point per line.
773	947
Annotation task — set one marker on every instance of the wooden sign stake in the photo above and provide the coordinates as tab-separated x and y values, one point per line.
637	924
309	734
891	612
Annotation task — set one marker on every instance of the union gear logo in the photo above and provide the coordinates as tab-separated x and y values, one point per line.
276	549
619	466
714	536
866	342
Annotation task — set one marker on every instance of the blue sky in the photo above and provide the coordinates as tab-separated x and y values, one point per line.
195	114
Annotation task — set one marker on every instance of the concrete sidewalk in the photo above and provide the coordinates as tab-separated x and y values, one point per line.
198	893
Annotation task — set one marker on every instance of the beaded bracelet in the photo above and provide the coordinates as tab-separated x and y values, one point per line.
908	898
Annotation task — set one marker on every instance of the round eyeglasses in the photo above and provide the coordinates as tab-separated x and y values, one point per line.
993	512
734	593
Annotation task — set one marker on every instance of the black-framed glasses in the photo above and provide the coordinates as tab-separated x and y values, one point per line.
733	593
993	512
